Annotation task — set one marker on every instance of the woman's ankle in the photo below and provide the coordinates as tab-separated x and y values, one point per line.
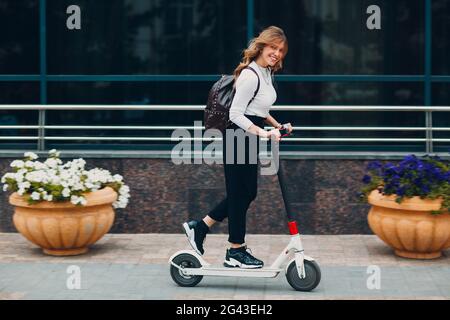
209	221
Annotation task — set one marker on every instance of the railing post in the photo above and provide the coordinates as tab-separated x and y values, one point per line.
427	82
429	131
43	72
41	131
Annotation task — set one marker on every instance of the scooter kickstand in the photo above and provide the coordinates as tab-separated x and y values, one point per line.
300	264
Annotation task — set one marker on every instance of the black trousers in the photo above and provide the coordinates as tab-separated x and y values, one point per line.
240	179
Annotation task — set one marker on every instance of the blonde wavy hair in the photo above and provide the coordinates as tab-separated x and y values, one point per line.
268	36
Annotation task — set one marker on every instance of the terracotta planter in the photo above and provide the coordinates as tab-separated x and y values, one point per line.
409	227
63	229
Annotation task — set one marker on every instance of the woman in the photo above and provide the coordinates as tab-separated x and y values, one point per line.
248	112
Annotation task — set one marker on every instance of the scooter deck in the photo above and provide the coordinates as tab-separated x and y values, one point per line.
220	271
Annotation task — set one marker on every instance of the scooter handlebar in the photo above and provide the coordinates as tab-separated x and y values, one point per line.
284	131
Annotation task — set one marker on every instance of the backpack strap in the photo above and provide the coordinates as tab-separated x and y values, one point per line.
257	87
254	95
274	84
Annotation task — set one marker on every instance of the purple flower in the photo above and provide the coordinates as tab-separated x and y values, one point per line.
400	191
425	189
367	179
410	176
374	165
409	159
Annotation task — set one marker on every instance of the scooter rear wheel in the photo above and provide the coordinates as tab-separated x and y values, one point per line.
185	260
311	280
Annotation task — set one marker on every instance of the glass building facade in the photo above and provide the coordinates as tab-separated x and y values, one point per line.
155	52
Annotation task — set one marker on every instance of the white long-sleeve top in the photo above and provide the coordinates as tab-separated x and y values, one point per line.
246	85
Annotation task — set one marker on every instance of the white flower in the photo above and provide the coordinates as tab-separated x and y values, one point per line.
24	185
51	163
120	204
18	177
54	153
89	185
35	195
39	166
55	180
78	164
79	187
83	201
64	175
95	187
124	195
9	175
66	192
31	155
35	176
70	177
17	164
74	199
22	171
78	200
124	189
29	164
118	177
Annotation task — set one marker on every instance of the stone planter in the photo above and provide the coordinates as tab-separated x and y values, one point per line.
63	229
409	227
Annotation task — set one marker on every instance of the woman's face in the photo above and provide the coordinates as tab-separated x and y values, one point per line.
272	53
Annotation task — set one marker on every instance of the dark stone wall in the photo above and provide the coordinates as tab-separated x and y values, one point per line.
322	193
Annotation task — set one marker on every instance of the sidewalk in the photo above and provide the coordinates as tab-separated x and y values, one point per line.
135	266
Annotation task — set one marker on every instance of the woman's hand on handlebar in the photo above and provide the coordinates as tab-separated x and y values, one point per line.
289	127
274	134
286	130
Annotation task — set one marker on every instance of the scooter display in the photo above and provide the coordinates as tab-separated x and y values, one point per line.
187	267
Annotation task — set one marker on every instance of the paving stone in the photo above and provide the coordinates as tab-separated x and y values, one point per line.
125	266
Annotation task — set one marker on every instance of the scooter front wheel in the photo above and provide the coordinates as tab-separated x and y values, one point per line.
185	260
311	279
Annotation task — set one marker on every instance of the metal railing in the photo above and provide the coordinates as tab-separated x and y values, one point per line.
41	126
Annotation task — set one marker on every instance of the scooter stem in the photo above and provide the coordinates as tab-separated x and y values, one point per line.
293	230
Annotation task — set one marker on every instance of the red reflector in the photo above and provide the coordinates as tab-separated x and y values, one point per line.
293	227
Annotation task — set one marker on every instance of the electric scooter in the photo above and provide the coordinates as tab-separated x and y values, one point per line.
187	267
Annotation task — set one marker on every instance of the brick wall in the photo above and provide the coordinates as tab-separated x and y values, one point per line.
322	193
